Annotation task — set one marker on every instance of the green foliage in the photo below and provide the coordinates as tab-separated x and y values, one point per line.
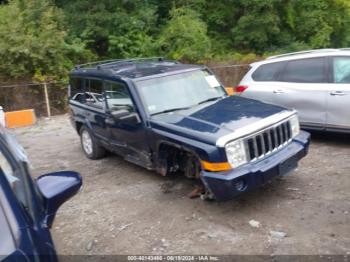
118	28
133	39
33	41
45	38
314	24
277	25
185	37
258	26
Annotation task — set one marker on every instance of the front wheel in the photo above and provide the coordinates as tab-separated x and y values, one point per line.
90	145
192	171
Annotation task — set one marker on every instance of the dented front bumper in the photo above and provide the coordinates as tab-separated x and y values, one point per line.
228	184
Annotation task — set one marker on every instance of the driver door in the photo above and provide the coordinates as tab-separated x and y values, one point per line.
21	206
128	133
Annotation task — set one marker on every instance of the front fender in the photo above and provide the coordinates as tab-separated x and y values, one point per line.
203	151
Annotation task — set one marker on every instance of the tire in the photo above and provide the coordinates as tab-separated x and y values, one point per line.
192	171
192	168
91	148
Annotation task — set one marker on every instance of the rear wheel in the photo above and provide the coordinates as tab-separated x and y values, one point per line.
90	145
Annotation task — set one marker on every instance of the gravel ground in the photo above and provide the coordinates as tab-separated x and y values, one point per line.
124	209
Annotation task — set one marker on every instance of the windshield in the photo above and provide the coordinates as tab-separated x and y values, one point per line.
180	91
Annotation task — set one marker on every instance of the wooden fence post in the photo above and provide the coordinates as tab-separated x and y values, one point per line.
47	100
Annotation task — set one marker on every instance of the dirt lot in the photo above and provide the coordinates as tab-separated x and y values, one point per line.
123	209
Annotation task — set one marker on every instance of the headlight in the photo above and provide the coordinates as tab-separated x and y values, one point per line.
294	124
236	153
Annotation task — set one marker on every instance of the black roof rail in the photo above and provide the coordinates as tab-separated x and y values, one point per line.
113	62
95	63
130	61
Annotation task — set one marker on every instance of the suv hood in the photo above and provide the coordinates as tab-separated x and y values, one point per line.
210	121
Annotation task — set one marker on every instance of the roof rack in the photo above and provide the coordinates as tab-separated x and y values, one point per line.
305	52
113	62
95	63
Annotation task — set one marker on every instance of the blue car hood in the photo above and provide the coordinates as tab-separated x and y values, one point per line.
212	120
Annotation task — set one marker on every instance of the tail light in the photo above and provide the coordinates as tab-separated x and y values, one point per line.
240	89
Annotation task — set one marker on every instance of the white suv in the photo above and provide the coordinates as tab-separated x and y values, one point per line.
316	83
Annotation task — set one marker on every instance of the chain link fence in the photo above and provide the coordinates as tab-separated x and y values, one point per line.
46	98
51	98
230	75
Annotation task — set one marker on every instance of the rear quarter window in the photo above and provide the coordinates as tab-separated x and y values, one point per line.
267	72
77	89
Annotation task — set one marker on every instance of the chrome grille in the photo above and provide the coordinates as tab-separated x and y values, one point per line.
268	140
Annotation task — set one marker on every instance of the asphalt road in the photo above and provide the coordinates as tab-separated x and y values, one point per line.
124	209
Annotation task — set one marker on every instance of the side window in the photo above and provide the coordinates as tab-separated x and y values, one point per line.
14	179
118	97
94	95
341	70
305	71
6	239
267	72
77	89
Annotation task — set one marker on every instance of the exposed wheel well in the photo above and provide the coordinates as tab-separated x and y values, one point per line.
173	158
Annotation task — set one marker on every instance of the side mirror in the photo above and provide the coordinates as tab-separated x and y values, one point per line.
57	188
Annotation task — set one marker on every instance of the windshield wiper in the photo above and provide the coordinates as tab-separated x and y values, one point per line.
209	99
170	110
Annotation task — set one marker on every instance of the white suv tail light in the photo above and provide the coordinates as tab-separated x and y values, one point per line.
240	89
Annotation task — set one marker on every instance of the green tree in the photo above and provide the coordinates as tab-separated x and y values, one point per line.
314	24
118	28
46	36
257	28
33	41
221	17
185	36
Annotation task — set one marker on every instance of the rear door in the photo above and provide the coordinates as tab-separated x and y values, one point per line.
298	84
338	98
95	111
88	105
262	82
76	96
304	87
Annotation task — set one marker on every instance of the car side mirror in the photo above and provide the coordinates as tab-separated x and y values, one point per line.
56	188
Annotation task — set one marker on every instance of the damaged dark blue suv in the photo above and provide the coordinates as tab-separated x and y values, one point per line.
173	117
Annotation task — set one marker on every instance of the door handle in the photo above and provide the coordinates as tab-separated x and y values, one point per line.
110	121
337	93
278	91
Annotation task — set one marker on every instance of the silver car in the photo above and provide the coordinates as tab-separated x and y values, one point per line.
316	83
